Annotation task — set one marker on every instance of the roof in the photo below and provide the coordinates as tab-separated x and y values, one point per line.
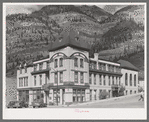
127	65
69	38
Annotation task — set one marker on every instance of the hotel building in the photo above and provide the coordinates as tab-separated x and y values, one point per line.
69	75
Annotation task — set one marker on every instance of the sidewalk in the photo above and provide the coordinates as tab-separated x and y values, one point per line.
96	101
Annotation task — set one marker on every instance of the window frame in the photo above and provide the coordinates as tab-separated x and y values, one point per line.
81	63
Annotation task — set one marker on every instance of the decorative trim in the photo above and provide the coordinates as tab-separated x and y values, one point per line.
59	70
78	70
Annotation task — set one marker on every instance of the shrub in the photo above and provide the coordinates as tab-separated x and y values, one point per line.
140	89
103	94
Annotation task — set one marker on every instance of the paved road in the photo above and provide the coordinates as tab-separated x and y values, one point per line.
130	102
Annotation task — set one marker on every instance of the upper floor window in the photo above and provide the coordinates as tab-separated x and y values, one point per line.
20	82
20	71
61	62
26	81
56	77
107	67
40	79
25	69
81	77
48	65
94	79
61	77
35	67
40	66
100	80
90	78
109	81
104	81
76	62
55	63
104	67
34	80
126	79
134	80
112	80
130	79
81	63
76	77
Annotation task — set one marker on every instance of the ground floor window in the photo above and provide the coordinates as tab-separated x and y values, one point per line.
78	95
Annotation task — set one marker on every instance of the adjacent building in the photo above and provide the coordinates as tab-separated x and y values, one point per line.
70	75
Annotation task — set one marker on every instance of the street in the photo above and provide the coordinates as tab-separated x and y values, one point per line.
128	102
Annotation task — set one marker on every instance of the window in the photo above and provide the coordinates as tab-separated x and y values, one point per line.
109	81
81	77
61	77
20	71
76	62
61	62
76	77
130	79
55	63
34	80
112	80
56	78
40	66
47	65
130	91
90	78
100	80
25	69
94	66
107	67
126	79
104	67
40	79
26	81
134	80
99	66
35	67
104	81
94	79
81	63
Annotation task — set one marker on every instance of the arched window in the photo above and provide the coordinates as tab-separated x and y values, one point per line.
134	80
130	79
126	79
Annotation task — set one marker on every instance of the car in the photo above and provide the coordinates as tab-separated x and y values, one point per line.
38	104
17	104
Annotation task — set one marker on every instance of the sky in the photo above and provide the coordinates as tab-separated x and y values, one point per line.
14	9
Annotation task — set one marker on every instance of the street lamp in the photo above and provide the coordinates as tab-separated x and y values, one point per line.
57	86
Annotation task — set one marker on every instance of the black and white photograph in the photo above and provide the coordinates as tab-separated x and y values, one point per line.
74	60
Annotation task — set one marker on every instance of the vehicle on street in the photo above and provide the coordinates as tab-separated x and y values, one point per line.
38	104
17	104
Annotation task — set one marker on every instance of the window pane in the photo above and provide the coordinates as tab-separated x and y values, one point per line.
56	78
61	77
76	62
61	62
55	63
40	79
81	63
76	77
82	77
34	80
90	78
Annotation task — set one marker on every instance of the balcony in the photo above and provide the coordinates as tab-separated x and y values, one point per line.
105	71
40	71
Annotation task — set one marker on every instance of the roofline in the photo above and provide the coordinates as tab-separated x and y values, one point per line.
130	68
70	46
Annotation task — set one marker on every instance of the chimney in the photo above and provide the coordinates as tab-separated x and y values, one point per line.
96	56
